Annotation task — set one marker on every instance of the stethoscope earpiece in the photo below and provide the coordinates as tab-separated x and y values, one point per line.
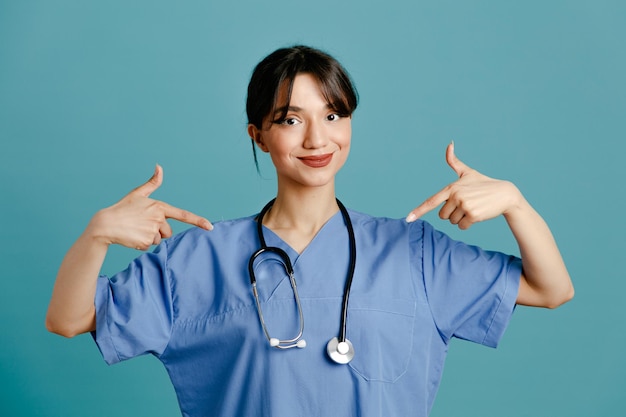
274	342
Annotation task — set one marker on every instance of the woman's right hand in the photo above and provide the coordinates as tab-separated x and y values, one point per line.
137	221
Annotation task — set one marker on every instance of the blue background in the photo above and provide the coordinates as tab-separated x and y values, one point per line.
93	94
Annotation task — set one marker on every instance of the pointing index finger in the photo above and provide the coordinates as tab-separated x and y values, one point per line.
429	204
185	216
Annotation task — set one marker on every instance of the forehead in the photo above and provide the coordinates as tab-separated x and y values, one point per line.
305	87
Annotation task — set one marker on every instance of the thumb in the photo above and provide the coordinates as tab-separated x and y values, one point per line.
455	163
152	184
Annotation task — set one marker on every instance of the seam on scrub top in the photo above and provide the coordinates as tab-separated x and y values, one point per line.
171	296
107	323
442	335
241	308
501	299
212	317
378	310
245	307
411	260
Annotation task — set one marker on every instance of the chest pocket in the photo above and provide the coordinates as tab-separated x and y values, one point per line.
381	331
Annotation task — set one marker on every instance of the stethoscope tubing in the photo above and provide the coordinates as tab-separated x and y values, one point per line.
351	268
337	354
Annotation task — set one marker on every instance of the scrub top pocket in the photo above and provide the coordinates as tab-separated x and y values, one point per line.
381	331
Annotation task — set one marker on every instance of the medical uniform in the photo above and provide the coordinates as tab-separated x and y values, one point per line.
190	304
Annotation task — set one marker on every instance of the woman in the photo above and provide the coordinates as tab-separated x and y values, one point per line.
227	346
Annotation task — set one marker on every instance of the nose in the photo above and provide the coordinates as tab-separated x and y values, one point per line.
315	136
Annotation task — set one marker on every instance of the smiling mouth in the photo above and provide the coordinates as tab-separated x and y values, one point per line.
317	161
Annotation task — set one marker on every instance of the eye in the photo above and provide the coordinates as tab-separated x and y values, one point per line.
333	117
290	121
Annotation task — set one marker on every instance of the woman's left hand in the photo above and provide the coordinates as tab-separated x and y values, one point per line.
472	198
475	197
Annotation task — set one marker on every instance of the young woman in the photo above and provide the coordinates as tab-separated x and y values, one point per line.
366	329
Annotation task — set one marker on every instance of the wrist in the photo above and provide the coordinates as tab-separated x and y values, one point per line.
518	204
97	228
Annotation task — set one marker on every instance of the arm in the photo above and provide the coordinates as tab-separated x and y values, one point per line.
545	281
136	221
474	197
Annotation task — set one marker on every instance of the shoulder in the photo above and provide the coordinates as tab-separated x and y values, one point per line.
223	231
391	233
419	236
381	224
364	219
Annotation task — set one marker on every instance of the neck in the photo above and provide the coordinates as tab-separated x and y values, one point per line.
297	216
303	208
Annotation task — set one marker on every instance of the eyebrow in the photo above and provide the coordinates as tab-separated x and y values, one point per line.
285	109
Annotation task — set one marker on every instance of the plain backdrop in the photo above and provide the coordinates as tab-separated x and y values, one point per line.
93	94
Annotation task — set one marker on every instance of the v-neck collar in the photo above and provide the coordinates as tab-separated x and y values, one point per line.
272	239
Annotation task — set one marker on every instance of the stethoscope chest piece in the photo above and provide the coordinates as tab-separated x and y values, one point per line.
340	352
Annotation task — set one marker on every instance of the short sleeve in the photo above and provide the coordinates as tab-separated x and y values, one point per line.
134	309
471	292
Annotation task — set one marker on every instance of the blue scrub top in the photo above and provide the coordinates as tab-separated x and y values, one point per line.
190	304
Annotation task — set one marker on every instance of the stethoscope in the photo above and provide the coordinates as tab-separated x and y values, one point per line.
339	348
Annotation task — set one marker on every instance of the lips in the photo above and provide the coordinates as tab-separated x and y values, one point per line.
317	161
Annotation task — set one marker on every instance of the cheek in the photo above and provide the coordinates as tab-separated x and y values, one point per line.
280	147
344	139
345	135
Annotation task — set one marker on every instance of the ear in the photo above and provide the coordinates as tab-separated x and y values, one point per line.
255	135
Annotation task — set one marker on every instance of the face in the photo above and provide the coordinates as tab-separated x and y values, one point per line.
311	144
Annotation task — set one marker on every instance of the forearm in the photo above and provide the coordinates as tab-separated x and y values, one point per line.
545	281
71	310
